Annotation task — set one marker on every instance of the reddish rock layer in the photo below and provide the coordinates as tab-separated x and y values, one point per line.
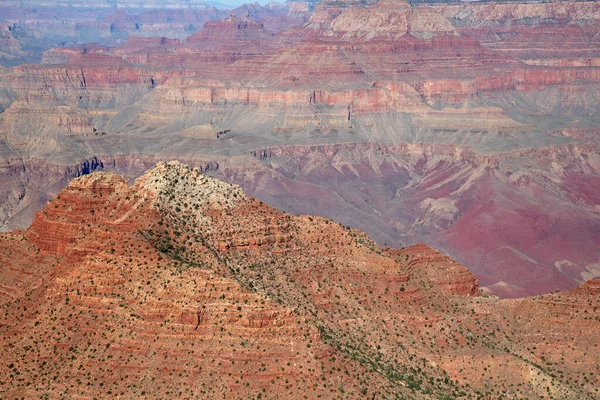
507	93
181	285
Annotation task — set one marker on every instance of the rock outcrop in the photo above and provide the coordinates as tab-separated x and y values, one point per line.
182	285
471	127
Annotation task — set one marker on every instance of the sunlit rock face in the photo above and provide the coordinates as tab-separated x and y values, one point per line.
472	127
181	283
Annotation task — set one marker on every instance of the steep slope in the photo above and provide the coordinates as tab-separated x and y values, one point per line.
105	311
180	285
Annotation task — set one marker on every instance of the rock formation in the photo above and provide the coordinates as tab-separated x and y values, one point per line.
470	127
181	285
28	30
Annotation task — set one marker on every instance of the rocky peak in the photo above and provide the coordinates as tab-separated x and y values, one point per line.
172	183
245	18
242	22
232	32
193	285
441	270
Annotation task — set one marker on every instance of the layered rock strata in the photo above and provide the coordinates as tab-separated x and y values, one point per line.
182	285
506	93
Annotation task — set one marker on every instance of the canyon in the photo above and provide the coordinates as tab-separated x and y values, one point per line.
28	29
470	127
180	285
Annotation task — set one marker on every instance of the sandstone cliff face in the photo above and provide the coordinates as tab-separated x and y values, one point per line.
391	21
522	13
181	284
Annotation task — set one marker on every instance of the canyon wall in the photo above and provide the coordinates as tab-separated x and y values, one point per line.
471	127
